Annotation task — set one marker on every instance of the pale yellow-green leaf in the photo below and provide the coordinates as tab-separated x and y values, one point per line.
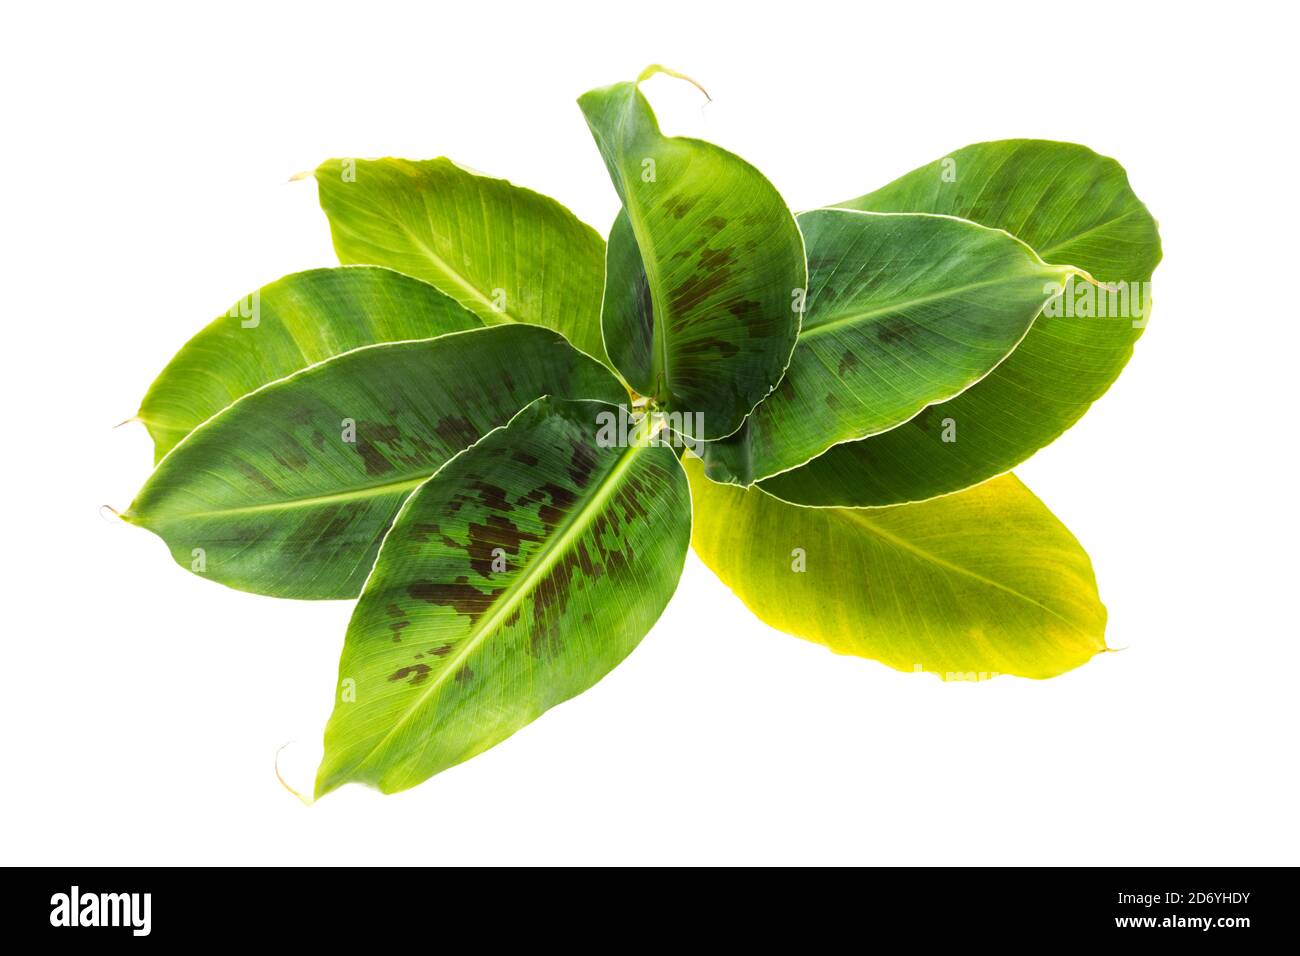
504	252
983	582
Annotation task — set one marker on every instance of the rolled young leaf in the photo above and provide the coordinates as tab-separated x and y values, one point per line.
289	490
294	322
966	586
514	579
1072	206
705	270
903	310
506	253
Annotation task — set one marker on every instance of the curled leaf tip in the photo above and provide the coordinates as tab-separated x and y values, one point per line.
306	801
1087	277
298	177
654	68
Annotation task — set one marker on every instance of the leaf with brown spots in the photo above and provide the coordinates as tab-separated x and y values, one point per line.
1071	206
277	513
702	266
283	327
588	542
903	310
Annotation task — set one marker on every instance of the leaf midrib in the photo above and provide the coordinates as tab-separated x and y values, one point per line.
899	306
352	494
1070	240
659	367
574	525
456	278
902	543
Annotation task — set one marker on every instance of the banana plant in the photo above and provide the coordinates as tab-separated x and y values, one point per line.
499	433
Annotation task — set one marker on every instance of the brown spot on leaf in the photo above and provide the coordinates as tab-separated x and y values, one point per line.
251	472
460	597
717	258
679	206
582	460
368	433
417	672
492	496
751	315
895	331
290	455
561	500
497	531
710	344
421	531
695	289
457	431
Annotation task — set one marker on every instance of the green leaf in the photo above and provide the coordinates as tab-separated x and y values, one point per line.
966	586
294	322
289	490
506	253
703	268
1072	206
514	579
903	310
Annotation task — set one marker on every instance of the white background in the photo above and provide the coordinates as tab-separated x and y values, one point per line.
147	152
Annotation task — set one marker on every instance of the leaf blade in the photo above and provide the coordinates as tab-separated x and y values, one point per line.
288	491
296	321
904	310
718	255
982	582
1070	205
450	653
506	253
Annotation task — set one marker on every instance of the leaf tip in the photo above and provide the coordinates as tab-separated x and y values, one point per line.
655	68
306	801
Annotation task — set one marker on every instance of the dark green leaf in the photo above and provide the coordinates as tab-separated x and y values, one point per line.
705	268
289	490
515	578
1073	207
